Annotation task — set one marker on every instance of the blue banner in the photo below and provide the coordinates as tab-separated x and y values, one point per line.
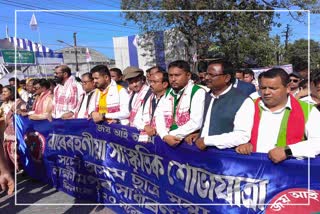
133	52
106	164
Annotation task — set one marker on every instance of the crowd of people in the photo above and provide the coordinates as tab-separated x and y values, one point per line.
220	106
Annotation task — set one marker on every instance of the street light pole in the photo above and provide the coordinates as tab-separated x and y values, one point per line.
75	49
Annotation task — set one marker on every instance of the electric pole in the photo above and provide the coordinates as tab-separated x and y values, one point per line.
75	49
287	33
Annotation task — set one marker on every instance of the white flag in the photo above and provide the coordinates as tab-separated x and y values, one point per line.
88	56
33	22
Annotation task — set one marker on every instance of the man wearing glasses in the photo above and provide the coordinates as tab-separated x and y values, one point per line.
43	104
145	120
295	79
228	114
86	103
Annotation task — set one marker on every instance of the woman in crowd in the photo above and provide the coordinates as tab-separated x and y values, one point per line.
9	106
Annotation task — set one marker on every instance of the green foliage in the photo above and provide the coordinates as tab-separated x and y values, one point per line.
298	53
236	34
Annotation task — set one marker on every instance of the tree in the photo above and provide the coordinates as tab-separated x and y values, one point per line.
298	53
238	35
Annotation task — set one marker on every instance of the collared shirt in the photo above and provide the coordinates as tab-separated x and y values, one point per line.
235	84
139	120
84	104
196	114
269	129
296	92
123	102
243	123
65	98
308	99
179	93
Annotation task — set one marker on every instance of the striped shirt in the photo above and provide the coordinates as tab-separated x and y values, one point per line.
65	98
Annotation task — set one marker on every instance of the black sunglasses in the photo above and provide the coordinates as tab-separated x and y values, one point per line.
294	80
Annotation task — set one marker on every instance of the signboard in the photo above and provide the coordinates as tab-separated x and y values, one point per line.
23	57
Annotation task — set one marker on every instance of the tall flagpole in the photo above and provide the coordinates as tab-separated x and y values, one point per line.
34	26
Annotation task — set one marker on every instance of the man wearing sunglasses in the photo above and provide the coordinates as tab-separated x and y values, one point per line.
295	79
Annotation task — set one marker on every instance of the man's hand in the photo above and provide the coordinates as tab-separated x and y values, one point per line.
97	117
109	121
277	154
191	138
7	182
200	143
149	130
172	140
19	111
23	113
67	115
31	117
244	149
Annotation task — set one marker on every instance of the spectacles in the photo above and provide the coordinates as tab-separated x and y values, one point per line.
36	88
294	80
213	75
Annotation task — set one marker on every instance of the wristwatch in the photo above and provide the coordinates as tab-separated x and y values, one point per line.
288	152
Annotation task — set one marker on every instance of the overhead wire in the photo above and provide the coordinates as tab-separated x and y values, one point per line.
65	14
76	26
103	3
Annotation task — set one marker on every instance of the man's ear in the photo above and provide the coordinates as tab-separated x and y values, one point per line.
228	78
189	75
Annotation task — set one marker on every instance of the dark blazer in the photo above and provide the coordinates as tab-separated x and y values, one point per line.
245	87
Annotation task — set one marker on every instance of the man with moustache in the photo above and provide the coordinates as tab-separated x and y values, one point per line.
283	127
180	113
145	120
228	113
140	91
111	99
66	93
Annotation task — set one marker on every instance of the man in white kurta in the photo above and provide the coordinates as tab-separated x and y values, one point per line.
180	113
